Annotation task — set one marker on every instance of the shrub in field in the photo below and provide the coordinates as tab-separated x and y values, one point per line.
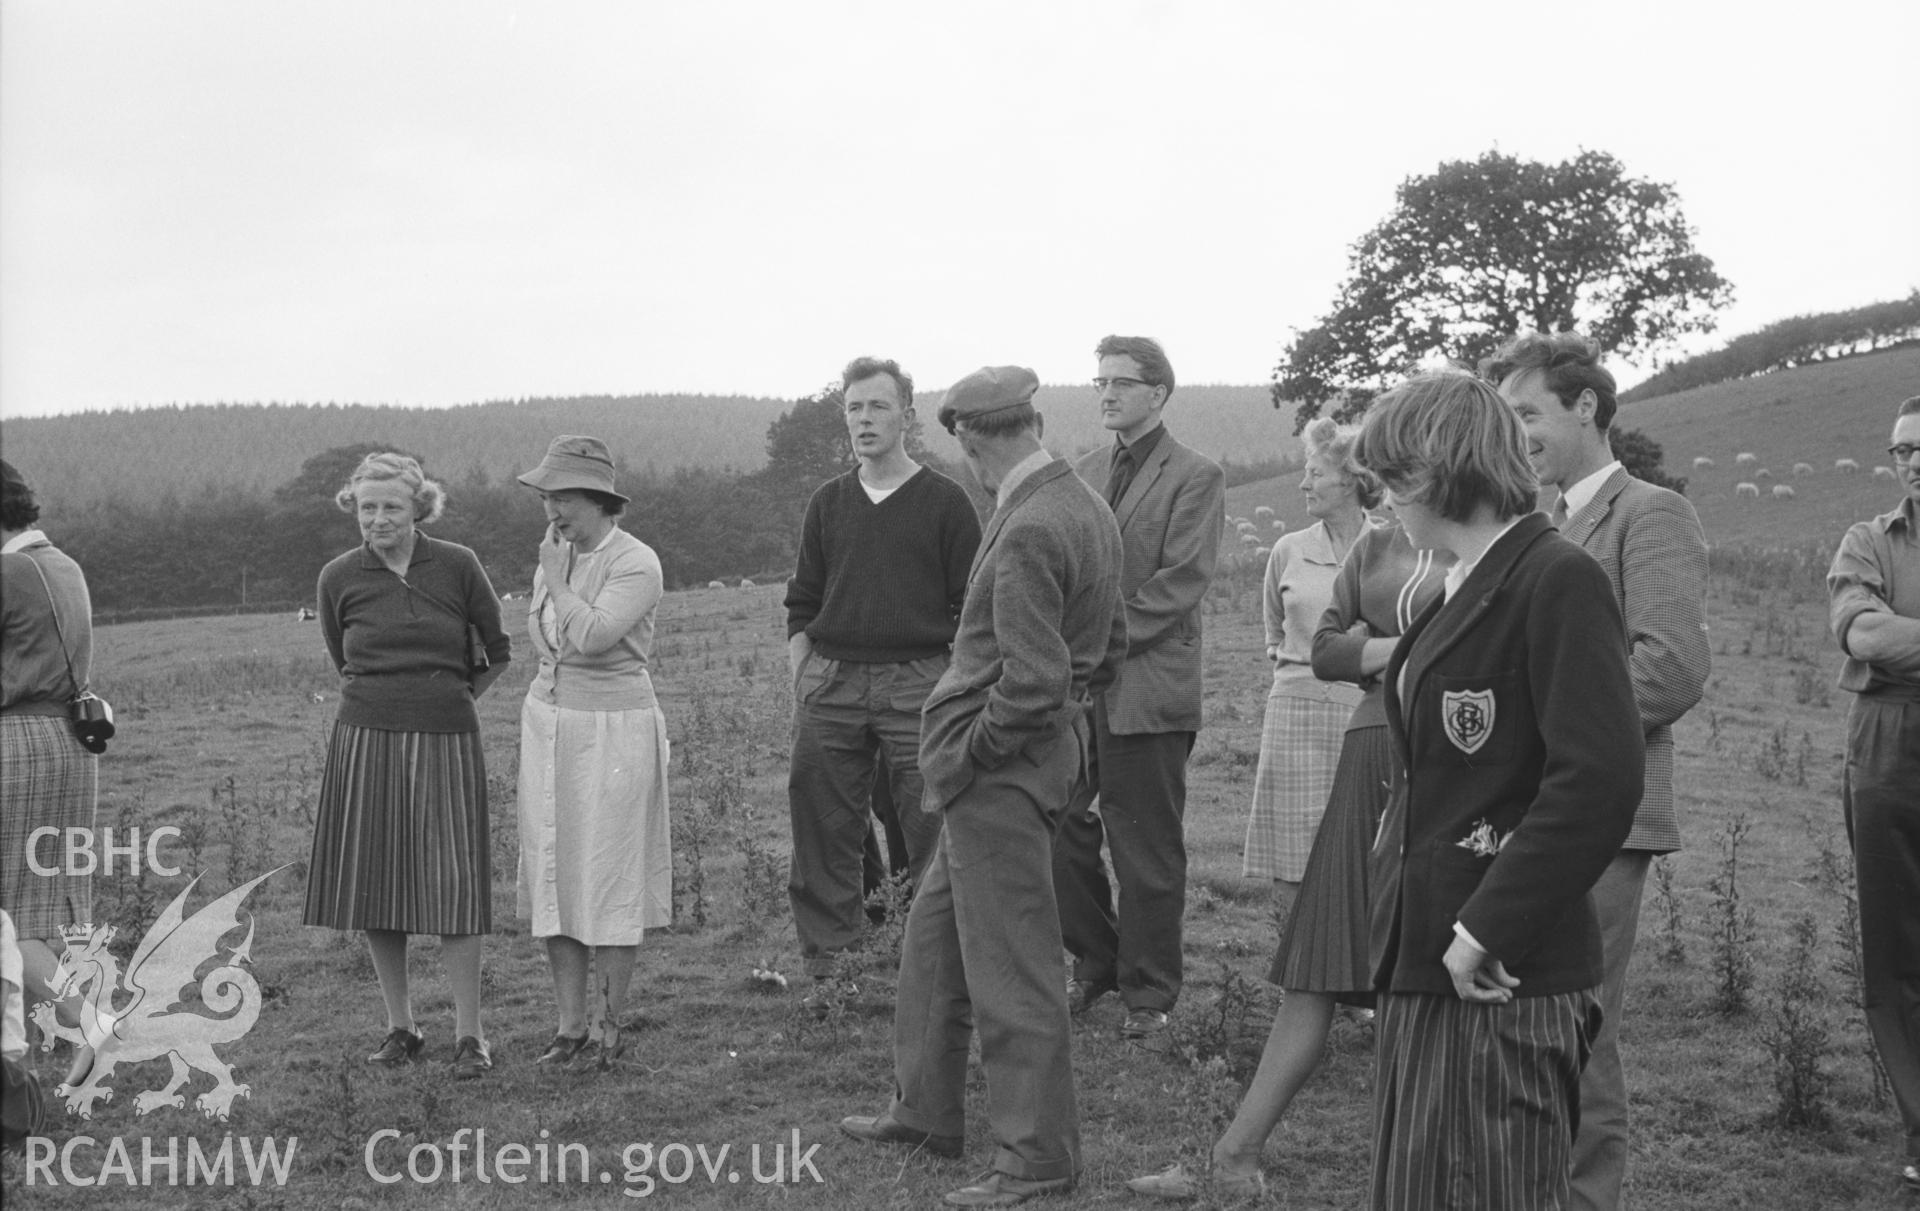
1797	1036
1211	1034
890	902
1773	761
693	830
1673	942
1734	927
1810	688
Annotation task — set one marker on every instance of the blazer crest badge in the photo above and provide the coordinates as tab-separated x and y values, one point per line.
1467	716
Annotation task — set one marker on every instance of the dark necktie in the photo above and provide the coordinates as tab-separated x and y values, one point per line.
1121	478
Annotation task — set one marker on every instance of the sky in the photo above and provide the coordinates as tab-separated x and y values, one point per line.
446	201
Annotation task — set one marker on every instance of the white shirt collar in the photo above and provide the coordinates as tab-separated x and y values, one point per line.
1582	493
1458	573
1021	470
22	540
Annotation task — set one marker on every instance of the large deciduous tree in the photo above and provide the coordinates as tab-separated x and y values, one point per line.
1481	249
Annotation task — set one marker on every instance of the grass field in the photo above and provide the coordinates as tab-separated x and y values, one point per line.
222	727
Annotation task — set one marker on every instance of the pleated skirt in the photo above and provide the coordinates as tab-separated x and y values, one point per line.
400	842
1299	747
46	781
1324	945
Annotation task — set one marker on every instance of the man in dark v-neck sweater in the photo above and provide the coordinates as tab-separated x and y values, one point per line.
884	554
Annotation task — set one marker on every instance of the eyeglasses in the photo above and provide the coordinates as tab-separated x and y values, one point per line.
1903	452
1101	384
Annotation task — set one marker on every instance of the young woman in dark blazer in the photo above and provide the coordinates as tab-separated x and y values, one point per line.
1518	759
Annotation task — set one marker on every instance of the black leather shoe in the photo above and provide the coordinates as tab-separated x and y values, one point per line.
561	1051
1081	994
884	1130
600	1053
399	1048
997	1189
471	1058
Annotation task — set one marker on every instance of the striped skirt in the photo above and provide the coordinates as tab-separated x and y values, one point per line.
401	837
46	781
1299	747
1475	1106
1324	945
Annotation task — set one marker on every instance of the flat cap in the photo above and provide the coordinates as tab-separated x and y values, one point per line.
987	390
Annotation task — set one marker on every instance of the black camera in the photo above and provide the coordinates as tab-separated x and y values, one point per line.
92	719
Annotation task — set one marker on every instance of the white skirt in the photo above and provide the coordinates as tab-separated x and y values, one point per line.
596	852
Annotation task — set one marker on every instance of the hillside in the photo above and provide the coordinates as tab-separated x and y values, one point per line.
139	456
1812	414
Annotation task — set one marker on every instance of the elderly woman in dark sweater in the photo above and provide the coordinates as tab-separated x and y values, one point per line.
400	844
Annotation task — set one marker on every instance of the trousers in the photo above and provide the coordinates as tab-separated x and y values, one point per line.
844	715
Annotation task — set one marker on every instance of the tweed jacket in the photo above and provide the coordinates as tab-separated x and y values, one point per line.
1171	519
1650	543
1042	630
1518	763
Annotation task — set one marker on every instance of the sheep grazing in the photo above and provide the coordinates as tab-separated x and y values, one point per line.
1782	492
1763	473
1888	472
1746	458
1803	468
745	583
1703	464
1746	490
1278	524
1846	464
1263	512
716	584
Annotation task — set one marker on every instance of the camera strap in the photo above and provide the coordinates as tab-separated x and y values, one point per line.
53	607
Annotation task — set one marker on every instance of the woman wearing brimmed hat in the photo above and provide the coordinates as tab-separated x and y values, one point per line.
596	863
400	836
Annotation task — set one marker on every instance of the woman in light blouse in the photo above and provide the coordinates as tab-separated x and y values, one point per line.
1306	717
596	862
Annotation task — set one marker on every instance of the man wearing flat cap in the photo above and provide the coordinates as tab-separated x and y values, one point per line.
871	608
1170	502
1002	748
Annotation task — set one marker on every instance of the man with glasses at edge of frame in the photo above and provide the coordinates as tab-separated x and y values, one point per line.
1874	587
1649	541
1170	502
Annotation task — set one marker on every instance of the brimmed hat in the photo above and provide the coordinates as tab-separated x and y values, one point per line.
577	463
987	390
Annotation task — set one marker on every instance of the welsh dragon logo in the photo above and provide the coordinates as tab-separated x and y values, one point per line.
151	1022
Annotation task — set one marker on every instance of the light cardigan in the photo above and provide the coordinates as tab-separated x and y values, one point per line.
603	617
33	663
1297	591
